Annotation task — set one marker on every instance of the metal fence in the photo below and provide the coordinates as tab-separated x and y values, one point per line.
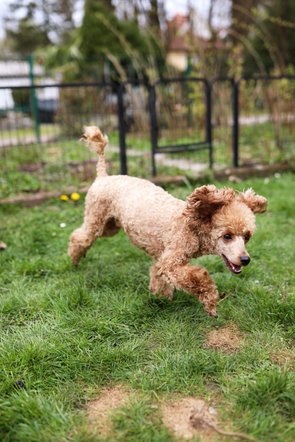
253	119
222	121
193	131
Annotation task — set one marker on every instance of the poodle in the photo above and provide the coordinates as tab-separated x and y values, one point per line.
210	222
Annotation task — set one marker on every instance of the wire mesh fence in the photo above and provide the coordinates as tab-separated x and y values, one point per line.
135	128
246	121
39	147
267	117
181	122
222	121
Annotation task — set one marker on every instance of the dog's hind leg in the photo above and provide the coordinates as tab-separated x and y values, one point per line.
98	220
80	241
96	223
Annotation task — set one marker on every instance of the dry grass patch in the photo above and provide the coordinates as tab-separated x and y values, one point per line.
227	339
284	358
189	417
54	151
178	417
99	410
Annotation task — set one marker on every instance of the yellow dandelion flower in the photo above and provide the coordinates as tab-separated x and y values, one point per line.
64	197
75	196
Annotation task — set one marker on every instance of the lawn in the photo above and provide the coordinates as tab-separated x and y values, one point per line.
67	333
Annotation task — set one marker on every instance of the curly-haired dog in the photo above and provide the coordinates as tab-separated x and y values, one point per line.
211	222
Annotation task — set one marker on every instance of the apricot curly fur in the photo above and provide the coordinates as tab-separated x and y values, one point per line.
170	230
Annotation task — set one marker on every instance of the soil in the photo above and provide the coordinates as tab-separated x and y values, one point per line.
186	418
284	358
227	339
99	410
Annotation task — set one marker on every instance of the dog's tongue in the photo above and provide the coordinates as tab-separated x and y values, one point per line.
234	267
231	266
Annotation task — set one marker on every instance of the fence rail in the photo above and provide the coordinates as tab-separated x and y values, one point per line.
220	119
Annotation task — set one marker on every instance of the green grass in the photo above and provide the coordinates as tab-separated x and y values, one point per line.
23	132
67	332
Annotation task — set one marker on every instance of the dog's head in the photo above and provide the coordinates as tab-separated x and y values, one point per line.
229	219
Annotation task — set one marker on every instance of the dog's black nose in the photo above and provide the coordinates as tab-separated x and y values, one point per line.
245	260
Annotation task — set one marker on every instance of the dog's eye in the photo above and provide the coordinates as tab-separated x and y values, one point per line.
247	237
227	237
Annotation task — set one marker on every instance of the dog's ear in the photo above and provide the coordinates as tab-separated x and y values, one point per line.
206	200
256	203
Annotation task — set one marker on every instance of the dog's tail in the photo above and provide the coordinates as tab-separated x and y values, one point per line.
96	141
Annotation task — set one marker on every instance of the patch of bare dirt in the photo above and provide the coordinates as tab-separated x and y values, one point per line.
54	152
227	339
99	410
189	417
31	167
284	358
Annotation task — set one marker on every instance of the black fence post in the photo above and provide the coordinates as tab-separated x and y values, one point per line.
122	130
235	110
154	128
34	99
208	88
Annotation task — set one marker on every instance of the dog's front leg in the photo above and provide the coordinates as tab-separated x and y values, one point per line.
194	280
159	285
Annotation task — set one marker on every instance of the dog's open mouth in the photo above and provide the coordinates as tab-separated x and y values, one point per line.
231	266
